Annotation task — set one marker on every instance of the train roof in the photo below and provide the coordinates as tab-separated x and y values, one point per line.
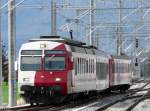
58	39
76	46
120	57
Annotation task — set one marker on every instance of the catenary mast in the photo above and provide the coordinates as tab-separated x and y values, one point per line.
12	52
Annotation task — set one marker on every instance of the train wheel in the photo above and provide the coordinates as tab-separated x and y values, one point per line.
31	104
37	103
122	91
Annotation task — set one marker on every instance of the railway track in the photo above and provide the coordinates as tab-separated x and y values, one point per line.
43	107
36	108
93	101
108	101
135	98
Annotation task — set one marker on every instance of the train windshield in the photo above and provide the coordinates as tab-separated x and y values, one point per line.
30	63
55	63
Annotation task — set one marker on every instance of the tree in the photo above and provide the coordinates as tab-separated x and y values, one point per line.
4	64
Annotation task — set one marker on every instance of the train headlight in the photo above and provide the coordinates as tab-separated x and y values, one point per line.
26	79
42	46
58	79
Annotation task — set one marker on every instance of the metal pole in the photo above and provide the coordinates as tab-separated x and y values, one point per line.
119	40
91	21
11	53
1	81
53	18
77	23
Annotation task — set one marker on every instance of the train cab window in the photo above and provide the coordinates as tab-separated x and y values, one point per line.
31	52
30	63
55	63
54	52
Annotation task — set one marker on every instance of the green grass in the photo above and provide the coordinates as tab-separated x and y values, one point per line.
5	92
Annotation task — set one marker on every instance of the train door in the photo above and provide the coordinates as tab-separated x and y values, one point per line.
74	71
76	75
111	72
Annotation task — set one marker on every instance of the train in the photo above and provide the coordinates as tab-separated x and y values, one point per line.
52	69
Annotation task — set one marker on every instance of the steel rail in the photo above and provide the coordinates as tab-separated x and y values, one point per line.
129	96
142	98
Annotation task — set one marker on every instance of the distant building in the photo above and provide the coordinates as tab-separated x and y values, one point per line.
145	66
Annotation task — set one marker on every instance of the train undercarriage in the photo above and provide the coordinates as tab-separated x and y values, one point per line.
49	95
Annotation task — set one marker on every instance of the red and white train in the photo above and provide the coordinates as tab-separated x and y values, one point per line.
52	69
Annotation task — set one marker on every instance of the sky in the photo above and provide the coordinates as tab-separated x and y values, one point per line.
30	22
34	22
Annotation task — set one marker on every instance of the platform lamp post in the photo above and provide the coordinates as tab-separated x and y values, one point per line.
1	81
11	52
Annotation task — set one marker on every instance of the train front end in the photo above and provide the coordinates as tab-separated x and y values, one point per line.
43	71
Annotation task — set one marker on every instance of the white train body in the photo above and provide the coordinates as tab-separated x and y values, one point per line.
58	66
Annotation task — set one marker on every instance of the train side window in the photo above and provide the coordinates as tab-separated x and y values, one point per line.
97	69
79	66
128	67
84	65
123	67
92	66
120	67
102	70
87	65
75	65
116	67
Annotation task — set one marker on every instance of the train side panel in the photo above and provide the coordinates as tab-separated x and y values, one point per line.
84	73
122	72
102	76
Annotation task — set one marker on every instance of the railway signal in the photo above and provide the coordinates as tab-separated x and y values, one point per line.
136	43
